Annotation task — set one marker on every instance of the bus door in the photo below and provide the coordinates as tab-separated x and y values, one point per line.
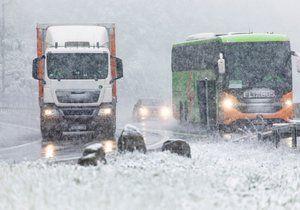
206	92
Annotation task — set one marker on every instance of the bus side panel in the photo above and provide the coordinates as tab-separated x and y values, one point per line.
179	97
185	93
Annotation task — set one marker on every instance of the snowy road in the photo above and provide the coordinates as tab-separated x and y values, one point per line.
21	140
235	174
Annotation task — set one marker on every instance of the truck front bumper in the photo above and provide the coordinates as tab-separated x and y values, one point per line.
72	119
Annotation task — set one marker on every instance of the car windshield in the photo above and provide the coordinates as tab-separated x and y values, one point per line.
265	64
152	102
77	65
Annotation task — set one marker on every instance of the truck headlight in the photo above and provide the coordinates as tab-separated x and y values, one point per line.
165	112
50	112
105	111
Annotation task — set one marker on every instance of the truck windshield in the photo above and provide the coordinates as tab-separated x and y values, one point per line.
77	65
260	64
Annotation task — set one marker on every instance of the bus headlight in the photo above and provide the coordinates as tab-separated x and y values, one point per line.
144	112
227	103
105	111
165	112
50	112
288	103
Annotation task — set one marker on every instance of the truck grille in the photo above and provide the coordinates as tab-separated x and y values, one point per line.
78	112
77	96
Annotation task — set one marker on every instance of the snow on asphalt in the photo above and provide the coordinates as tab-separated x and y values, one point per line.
220	175
18	127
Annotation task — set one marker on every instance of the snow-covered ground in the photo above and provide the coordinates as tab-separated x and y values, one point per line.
220	175
243	174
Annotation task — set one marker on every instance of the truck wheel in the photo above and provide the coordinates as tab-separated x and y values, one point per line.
109	130
50	135
105	130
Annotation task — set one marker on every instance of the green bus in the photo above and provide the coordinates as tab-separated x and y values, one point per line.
221	80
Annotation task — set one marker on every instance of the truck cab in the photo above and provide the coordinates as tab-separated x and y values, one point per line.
77	71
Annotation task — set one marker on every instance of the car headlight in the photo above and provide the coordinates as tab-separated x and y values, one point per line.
105	111
144	112
288	102
227	103
165	112
50	112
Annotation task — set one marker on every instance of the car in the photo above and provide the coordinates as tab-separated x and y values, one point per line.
146	109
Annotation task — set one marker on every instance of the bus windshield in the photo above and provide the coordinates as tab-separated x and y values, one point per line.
77	65
258	64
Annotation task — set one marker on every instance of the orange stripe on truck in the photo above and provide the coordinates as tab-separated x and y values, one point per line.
41	65
113	60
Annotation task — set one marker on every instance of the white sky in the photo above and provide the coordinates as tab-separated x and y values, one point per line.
146	29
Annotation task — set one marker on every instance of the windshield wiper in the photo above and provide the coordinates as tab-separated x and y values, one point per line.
96	77
58	78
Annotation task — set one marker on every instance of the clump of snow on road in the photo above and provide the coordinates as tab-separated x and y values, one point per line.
131	130
94	147
218	176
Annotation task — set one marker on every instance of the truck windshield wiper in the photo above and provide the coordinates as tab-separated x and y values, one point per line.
96	78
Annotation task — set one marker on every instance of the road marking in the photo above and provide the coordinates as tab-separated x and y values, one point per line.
20	146
19	126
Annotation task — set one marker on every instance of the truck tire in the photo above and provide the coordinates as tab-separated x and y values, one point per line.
105	131
50	134
109	130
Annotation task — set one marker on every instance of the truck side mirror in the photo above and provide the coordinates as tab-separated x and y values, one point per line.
35	68
297	55
221	64
119	68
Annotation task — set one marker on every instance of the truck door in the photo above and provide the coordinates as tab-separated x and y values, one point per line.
206	92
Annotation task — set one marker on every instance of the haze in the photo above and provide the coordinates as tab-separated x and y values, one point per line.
146	31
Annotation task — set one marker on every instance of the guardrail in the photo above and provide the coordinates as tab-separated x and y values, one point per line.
280	131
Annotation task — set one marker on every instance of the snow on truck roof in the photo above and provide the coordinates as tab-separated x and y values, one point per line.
233	37
72	34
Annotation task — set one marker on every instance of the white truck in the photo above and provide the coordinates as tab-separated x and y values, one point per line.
77	69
